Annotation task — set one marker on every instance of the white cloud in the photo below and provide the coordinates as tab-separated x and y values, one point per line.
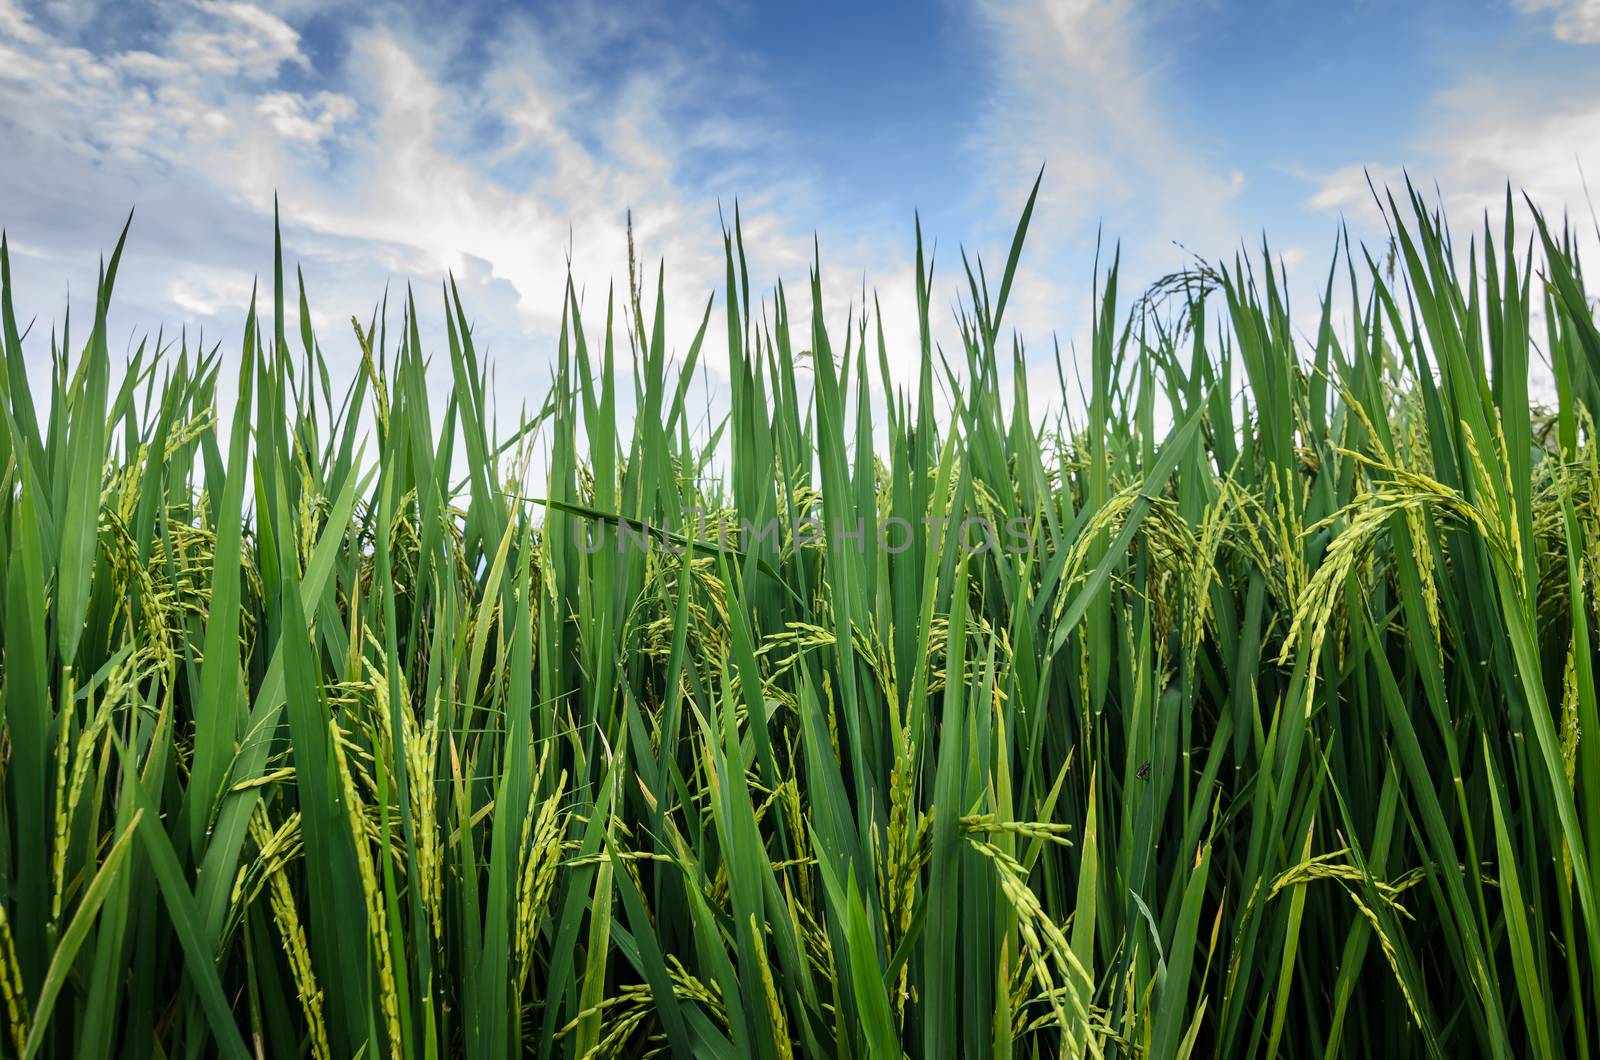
1347	189
307	120
1081	89
138	103
204	293
387	173
237	39
1484	135
1575	21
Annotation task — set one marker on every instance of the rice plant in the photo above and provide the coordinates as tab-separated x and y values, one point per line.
335	726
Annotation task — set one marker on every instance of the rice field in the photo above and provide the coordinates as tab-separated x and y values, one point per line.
1247	711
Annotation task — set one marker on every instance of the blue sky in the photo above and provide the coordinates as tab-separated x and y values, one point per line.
492	141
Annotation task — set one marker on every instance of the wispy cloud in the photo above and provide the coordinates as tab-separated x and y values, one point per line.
1574	21
1485	135
499	157
1080	87
499	146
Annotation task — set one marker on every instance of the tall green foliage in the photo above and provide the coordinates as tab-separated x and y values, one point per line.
354	729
